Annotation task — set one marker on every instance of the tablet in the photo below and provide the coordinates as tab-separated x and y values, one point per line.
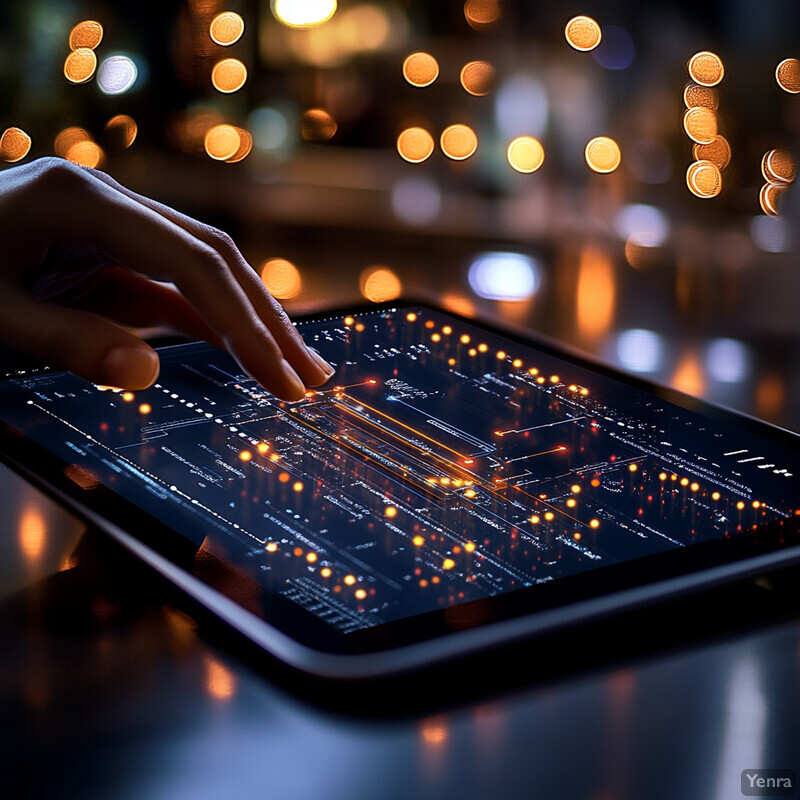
453	488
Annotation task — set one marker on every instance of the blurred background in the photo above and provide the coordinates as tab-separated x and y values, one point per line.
615	175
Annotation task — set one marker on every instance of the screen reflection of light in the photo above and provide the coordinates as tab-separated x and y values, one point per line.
727	360
770	234
641	224
596	293
521	107
15	144
220	682
117	74
640	350
32	534
504	276
616	50
416	200
303	13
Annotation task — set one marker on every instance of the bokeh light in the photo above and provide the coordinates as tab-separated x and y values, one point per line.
696	96
416	199
245	146
458	142
379	284
478	78
778	166
787	74
122	128
603	154
226	28
317	125
642	225
640	350
717	151
80	65
15	144
68	137
229	75
303	13
222	142
117	74
420	69
521	106
481	14
771	234
88	33
85	154
727	360
525	154
504	276
704	179
706	68
769	198
282	278
583	33
700	124
415	145
270	129
616	49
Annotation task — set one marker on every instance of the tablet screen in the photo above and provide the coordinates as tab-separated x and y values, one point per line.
444	463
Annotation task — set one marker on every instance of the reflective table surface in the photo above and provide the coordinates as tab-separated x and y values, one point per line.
111	689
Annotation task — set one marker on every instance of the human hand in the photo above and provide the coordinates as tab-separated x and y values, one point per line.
102	255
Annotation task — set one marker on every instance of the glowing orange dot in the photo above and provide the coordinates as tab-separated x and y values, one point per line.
595	523
684	481
740	505
127	396
349	321
715	496
311	557
695	487
473	351
88	34
317	125
123	128
297	486
420	69
423	582
418	541
271	547
700	124
429	324
229	75
85	154
415	145
554	379
525	154
571	503
458	142
145	408
222	142
411	316
549	516
80	65
245	455
451	362
359	326
516	363
470	493
575	489
262	447
706	68
15	144
448	563
447	330
535	519
325	572
501	355
436	338
662	476
787	73
361	594
483	347
704	179
275	457
602	154
470	547
595	482
633	467
226	28
576	536
282	278
390	511
349	579
379	284
284	477
298	551
464	339
478	78
583	33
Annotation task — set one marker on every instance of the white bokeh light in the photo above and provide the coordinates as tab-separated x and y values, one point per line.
117	74
504	276
640	350
416	200
521	107
727	360
643	225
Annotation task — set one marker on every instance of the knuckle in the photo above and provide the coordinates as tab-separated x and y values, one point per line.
220	239
58	174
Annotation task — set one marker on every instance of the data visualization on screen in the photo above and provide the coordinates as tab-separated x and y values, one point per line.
443	463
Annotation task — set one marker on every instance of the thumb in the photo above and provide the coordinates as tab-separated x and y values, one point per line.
84	343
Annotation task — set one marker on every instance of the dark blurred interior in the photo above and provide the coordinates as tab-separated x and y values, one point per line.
302	129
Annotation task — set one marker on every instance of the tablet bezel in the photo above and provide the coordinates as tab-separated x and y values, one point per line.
301	640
